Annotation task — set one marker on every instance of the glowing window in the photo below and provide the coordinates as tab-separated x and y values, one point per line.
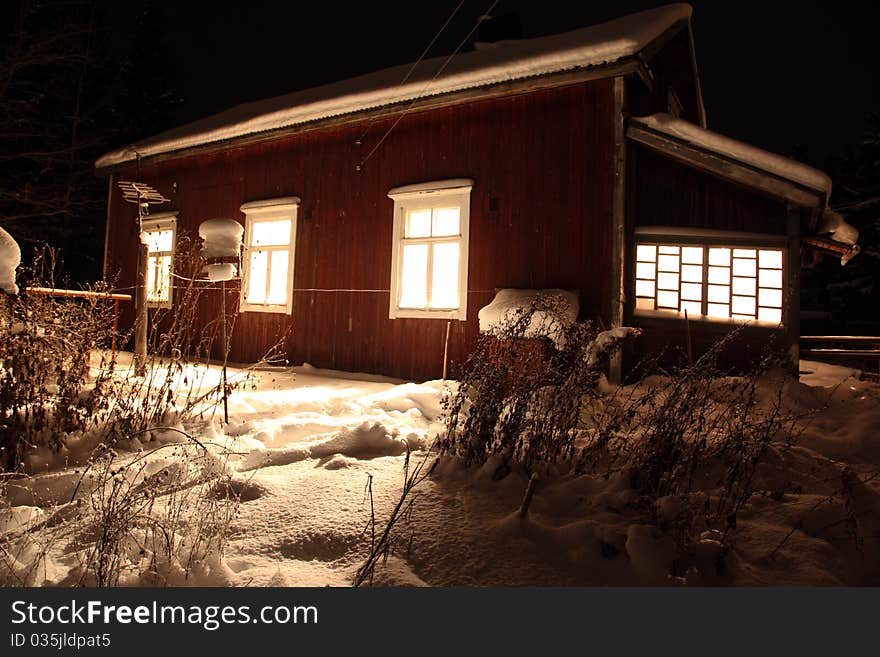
717	282
270	242
159	233
429	251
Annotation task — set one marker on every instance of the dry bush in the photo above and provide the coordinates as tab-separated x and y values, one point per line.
521	397
47	387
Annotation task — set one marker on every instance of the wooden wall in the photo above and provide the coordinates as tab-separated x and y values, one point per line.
545	157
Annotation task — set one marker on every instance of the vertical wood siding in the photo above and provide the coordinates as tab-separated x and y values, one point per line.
545	156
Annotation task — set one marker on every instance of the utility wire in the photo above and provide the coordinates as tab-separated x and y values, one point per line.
482	17
417	62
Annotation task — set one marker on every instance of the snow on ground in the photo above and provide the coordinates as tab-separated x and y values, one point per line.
308	440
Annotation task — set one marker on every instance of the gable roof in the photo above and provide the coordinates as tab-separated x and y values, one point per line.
594	46
732	159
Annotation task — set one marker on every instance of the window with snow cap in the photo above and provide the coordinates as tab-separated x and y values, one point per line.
741	282
159	233
270	237
429	260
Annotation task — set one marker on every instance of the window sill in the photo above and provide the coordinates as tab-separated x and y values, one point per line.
413	313
277	310
719	323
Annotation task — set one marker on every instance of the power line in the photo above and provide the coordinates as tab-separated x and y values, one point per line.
416	63
482	17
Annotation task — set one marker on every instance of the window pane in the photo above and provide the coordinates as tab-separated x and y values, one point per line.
770	278
721	310
271	233
744	286
743	306
667	281
159	240
644	288
772	315
278	277
444	276
446	222
645	270
743	267
692	255
719	256
719	293
667	263
692	273
667	299
414	276
645	304
158	278
772	298
743	253
257	277
669	250
646	253
692	291
719	275
770	259
418	223
693	308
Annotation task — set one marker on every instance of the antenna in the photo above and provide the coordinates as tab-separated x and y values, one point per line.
144	196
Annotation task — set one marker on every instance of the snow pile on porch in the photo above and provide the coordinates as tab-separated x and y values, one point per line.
595	45
221	238
314	446
509	304
760	159
10	259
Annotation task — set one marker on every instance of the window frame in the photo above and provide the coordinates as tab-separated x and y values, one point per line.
156	223
710	239
435	194
259	212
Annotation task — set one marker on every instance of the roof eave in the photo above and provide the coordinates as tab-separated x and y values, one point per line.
729	168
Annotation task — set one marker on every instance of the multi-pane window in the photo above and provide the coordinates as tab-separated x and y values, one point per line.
270	232
715	282
429	257
159	233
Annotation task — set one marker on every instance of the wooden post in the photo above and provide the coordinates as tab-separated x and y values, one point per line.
792	287
530	493
446	348
115	326
140	309
618	235
223	342
687	332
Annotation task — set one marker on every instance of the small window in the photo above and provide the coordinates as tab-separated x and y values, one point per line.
430	250
716	282
159	233
270	242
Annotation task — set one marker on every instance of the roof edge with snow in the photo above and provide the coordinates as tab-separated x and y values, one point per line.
731	159
599	47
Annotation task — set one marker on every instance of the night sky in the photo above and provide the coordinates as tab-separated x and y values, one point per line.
793	77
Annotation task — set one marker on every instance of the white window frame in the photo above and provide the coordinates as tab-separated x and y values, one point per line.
269	210
159	222
441	193
706	240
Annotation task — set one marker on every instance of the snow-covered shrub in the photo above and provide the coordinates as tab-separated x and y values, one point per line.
48	388
153	520
523	398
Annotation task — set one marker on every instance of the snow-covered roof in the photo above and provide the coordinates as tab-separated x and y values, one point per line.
506	61
738	151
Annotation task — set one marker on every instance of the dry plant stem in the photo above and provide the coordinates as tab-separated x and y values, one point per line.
383	546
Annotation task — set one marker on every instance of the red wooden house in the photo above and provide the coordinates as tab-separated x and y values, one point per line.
378	211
